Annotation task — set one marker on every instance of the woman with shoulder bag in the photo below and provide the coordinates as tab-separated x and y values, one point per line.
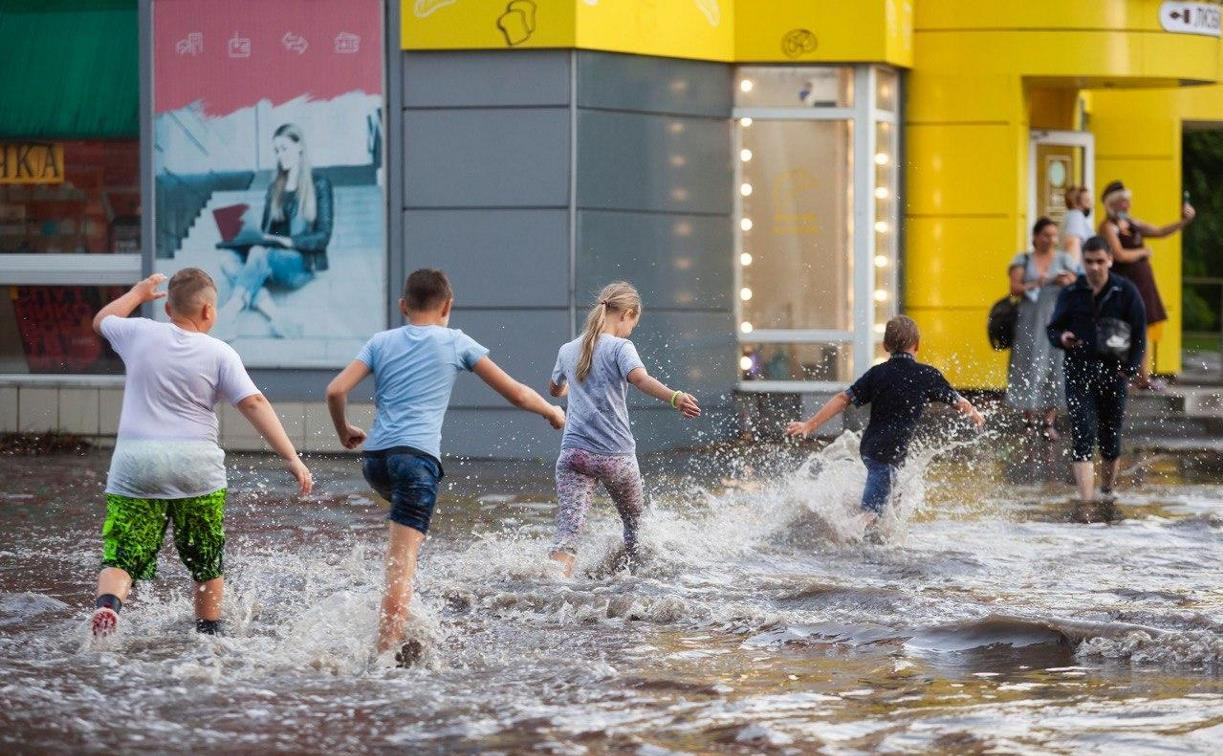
1034	377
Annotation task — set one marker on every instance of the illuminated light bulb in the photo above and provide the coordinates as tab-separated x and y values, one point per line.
745	327
746	224
881	295
881	261
677	127
745	85
881	192
745	259
745	363
881	158
745	154
745	294
880	327
881	227
678	160
745	189
885	91
679	194
745	121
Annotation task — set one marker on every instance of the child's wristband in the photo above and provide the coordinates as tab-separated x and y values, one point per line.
674	397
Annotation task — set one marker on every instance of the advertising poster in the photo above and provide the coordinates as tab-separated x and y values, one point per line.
267	153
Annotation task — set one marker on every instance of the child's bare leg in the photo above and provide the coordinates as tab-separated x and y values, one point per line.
566	559
208	597
401	558
114	581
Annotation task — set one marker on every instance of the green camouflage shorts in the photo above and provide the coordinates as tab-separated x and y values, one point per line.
135	528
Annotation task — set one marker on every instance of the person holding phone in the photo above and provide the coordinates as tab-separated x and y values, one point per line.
1100	322
1126	237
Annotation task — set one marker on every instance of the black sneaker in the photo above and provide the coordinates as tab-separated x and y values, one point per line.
409	654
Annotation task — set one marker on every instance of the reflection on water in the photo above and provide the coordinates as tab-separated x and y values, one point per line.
998	615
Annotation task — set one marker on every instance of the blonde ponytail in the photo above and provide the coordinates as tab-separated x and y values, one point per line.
615	297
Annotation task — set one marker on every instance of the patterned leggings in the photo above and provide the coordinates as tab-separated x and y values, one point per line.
577	472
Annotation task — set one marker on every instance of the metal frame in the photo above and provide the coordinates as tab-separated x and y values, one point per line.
862	116
1084	139
395	258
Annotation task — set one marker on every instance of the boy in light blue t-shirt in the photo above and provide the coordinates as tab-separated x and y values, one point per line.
414	369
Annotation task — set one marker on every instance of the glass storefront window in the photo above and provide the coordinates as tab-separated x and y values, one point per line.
70	197
49	329
817	222
887	89
886	219
795	362
796	199
794	87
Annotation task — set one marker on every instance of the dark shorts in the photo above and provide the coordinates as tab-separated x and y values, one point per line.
135	529
408	479
1095	401
880	476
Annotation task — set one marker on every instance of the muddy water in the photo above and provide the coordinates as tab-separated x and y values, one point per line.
996	616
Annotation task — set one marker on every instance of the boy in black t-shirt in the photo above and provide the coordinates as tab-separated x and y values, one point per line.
897	390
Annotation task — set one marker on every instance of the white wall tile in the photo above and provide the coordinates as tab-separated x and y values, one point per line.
8	409
320	433
110	405
38	409
78	410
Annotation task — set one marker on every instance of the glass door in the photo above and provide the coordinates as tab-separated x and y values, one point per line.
1058	160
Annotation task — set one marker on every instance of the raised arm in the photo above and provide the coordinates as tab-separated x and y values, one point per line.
833	407
258	410
651	386
337	403
1157	232
521	396
144	291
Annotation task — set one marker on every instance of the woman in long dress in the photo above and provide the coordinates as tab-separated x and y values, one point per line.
1126	237
1034	378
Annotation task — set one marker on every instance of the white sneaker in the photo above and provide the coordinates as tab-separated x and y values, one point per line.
105	621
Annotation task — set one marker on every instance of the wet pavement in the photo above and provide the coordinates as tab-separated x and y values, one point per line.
996	616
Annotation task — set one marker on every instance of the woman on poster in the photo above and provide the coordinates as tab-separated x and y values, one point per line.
296	229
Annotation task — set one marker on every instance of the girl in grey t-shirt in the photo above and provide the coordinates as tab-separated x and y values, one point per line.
598	447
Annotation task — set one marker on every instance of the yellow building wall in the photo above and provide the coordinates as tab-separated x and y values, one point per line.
810	31
1138	140
983	75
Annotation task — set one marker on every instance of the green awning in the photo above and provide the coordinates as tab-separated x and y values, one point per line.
69	69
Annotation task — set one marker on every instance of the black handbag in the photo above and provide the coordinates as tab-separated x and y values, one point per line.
1113	338
1003	320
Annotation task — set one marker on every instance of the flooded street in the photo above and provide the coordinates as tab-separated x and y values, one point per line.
995	617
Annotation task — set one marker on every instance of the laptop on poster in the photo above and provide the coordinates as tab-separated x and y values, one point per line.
236	232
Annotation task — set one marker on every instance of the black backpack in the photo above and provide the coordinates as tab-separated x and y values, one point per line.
1003	319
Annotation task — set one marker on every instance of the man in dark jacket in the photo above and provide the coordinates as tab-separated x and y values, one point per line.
1100	322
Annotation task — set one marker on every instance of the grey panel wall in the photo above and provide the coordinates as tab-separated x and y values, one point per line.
532	194
654	204
486	191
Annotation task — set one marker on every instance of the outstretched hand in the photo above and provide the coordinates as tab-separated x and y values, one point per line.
687	406
797	428
305	481
146	290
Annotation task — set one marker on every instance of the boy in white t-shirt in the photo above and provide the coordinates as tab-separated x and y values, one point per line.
167	465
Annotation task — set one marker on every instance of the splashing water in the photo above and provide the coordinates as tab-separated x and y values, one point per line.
756	617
